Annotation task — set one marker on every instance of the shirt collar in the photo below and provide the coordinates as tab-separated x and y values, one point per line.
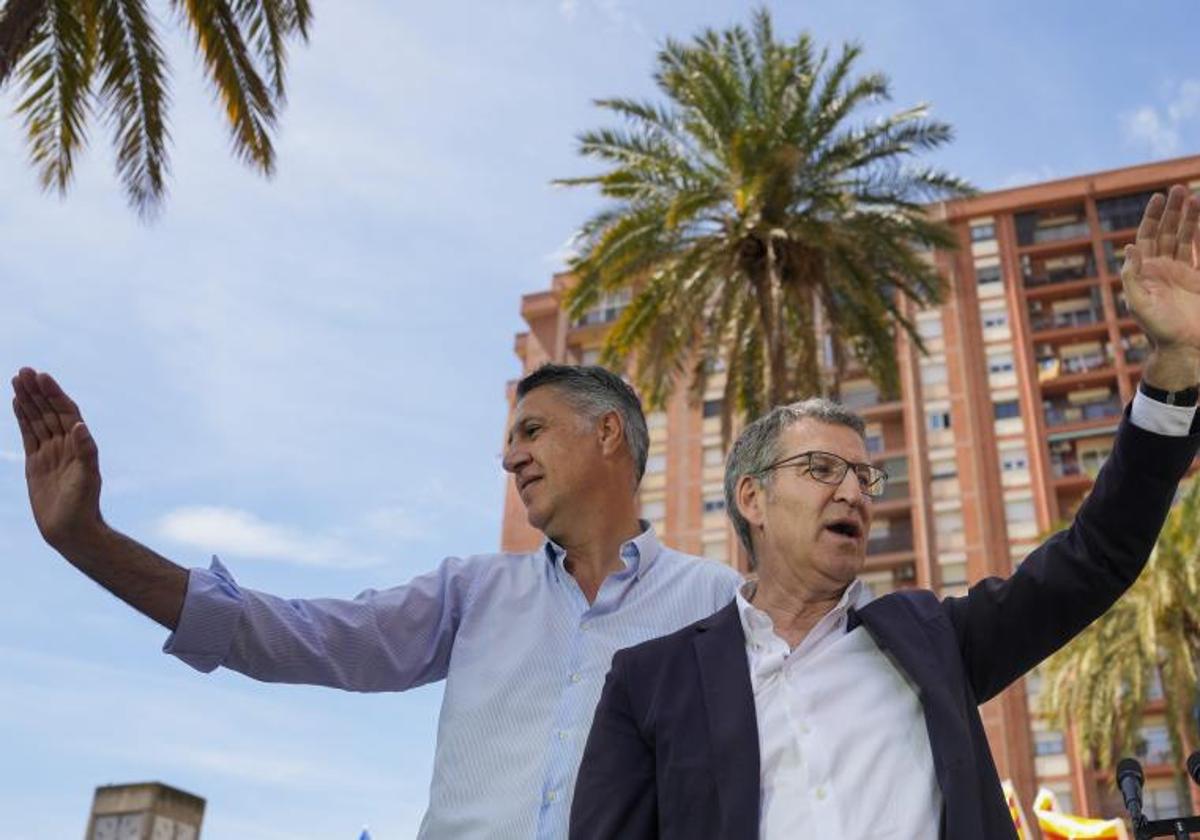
638	554
757	625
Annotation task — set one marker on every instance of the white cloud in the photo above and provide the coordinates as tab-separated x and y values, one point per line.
1160	129
13	457
230	531
568	8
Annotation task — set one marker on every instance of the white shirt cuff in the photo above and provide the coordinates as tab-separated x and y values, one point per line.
1160	418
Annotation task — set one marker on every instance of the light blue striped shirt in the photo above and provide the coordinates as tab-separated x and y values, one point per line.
523	654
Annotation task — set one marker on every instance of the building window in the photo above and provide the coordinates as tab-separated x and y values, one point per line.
713	456
714	505
1007	409
712	408
606	309
1018	511
950	522
930	327
954	574
1154	744
1000	363
656	464
938	420
1160	802
934	374
1048	743
943	468
988	274
1014	460
992	320
981	233
874	438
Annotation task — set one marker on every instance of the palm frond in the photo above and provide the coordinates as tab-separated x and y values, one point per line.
20	21
56	74
133	95
241	89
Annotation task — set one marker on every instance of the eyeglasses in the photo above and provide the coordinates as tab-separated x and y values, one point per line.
828	468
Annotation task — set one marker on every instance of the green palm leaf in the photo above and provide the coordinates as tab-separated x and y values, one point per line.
247	99
55	73
133	96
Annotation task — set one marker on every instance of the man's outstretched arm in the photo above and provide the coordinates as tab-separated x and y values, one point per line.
62	471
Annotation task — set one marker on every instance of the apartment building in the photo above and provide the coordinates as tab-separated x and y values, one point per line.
995	437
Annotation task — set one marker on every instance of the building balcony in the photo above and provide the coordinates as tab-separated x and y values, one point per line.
897	539
1061	320
1041	226
1058	269
1064	412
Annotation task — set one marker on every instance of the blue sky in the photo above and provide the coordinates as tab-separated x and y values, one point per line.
306	375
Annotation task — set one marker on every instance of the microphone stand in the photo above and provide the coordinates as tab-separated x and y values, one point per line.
1179	828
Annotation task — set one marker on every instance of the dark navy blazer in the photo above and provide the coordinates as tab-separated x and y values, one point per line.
673	751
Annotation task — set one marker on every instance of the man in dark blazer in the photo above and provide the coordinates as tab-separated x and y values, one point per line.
804	709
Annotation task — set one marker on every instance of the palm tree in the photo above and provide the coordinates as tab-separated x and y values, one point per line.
79	58
1102	681
749	216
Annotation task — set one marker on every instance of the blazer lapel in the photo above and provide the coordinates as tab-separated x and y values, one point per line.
732	724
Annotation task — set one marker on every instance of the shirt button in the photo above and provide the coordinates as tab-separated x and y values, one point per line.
576	677
562	734
821	793
551	797
804	730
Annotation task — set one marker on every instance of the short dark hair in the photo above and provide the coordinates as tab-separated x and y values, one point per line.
594	391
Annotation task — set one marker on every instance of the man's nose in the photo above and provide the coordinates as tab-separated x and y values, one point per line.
513	458
849	490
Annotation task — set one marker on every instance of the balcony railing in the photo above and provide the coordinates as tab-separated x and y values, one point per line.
1061	413
1037	274
1057	320
896	539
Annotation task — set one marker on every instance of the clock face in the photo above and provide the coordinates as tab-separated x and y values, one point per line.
105	828
130	827
164	829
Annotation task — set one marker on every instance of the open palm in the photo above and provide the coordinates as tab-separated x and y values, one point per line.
61	460
1161	274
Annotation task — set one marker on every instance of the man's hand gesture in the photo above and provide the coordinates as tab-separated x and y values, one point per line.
62	466
1161	277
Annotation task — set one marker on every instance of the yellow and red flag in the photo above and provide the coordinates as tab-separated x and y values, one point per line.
1056	825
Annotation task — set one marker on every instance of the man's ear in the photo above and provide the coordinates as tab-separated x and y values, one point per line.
610	433
750	496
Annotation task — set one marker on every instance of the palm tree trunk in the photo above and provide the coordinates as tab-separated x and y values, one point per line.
766	296
777	374
18	21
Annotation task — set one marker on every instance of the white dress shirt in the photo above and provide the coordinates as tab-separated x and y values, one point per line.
843	747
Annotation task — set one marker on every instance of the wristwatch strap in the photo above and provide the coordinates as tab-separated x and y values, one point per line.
1187	397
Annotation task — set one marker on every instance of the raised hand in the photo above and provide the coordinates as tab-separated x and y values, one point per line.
1161	274
62	467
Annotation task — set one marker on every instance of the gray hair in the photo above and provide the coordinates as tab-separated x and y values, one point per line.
593	391
757	447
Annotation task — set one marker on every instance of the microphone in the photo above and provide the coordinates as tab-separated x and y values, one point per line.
1129	782
1193	766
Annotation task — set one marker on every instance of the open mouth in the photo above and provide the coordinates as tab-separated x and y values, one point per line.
845	528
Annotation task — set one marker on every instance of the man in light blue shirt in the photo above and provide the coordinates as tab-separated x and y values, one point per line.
523	640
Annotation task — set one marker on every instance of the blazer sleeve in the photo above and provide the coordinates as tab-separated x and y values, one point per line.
615	792
1005	627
